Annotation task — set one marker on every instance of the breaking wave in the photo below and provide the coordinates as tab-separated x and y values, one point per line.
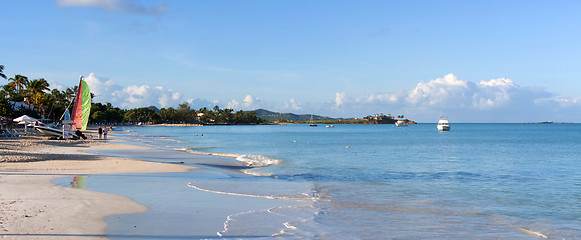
299	197
258	160
250	160
189	150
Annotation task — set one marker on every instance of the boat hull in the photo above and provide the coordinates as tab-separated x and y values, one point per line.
401	123
53	132
443	127
49	131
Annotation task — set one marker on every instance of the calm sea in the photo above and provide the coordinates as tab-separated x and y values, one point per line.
478	181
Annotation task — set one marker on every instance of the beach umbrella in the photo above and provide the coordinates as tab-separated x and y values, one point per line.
25	119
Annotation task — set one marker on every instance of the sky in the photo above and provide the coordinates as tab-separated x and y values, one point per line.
473	61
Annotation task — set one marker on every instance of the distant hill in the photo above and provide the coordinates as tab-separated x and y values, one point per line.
154	108
290	117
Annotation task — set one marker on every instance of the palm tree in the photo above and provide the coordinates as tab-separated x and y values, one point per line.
37	86
2	75
19	82
36	89
9	90
71	92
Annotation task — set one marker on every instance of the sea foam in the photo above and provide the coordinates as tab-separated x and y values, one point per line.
257	160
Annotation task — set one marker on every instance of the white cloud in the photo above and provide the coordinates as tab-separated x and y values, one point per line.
233	104
565	103
252	103
198	103
101	87
144	95
340	98
292	105
249	102
128	6
134	96
444	91
55	85
493	94
498	82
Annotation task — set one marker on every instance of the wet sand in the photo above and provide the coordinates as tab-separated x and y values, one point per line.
32	207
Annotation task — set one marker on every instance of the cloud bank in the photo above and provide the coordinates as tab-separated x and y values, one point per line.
134	96
495	100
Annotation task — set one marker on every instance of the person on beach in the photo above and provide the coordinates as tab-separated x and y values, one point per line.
105	133
100	132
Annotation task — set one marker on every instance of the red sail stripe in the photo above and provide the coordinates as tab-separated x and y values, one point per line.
78	110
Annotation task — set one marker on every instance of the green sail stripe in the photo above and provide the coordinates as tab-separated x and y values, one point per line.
86	104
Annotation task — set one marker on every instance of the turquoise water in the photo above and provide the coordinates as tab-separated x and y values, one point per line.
478	181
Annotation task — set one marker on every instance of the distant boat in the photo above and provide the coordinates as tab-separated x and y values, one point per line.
401	123
313	124
330	126
443	124
546	122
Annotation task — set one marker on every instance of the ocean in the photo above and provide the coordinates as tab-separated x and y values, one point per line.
477	181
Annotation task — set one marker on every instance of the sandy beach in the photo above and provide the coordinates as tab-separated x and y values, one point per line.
32	207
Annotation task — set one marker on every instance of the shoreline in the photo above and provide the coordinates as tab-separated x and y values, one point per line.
32	206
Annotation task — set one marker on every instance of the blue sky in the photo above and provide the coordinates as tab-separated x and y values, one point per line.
475	61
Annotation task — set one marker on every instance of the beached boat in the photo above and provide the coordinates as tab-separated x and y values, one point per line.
443	124
401	123
49	131
81	111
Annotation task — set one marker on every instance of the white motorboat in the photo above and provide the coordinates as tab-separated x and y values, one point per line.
401	123
443	124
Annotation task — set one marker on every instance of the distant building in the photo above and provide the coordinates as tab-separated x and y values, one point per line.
21	105
381	116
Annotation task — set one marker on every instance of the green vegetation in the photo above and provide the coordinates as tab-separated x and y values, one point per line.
288	117
185	115
34	93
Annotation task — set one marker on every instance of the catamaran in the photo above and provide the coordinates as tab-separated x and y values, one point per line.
80	118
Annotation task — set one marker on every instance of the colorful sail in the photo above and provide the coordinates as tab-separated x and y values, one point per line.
82	106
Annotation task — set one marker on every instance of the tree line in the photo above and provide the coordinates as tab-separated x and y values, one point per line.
183	114
51	104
